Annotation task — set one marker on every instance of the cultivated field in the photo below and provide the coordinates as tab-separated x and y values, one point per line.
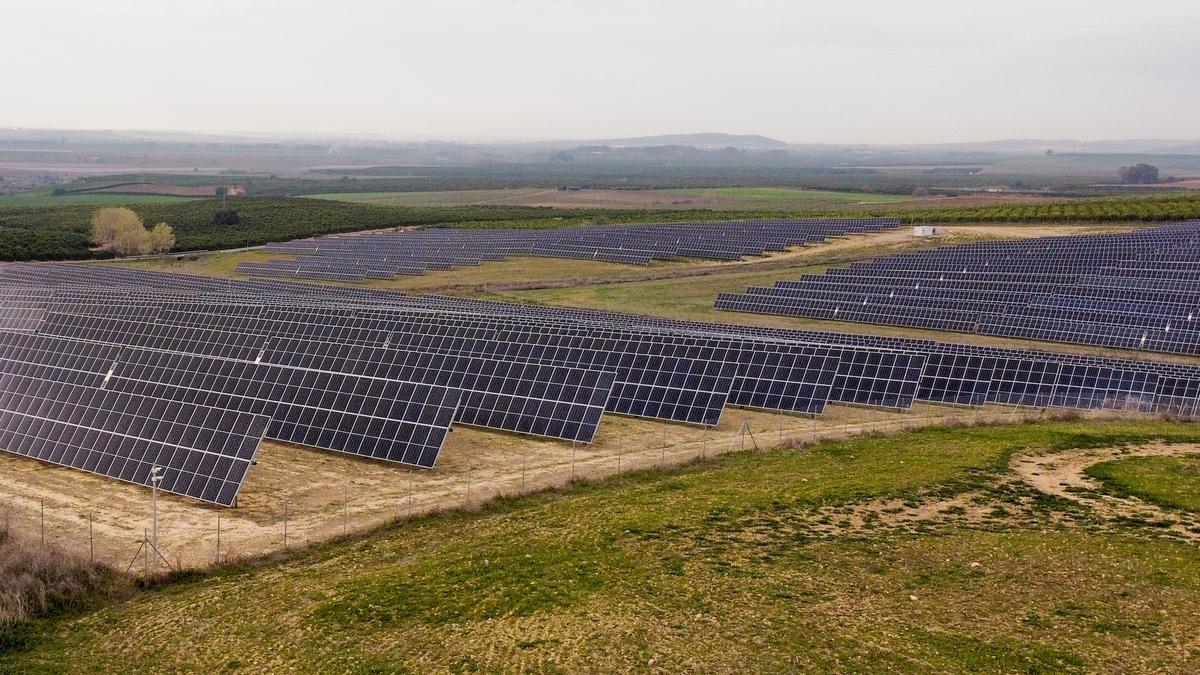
45	199
731	198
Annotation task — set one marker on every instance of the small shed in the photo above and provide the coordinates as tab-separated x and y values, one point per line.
926	231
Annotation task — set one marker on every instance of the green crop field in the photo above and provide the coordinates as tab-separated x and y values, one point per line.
772	561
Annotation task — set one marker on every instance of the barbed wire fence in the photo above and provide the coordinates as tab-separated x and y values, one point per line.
287	526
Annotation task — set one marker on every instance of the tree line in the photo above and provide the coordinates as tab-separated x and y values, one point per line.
65	232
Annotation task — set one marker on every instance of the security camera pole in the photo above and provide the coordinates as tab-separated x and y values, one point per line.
155	479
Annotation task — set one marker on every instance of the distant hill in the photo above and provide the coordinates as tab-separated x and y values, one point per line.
704	141
1154	146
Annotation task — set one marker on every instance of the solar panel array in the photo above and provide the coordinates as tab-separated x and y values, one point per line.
1138	290
384	255
386	375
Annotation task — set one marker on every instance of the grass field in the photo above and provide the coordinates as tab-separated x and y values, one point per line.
741	563
43	199
1169	481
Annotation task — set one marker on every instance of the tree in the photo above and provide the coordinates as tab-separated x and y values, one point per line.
161	239
222	192
107	221
1142	174
131	238
226	217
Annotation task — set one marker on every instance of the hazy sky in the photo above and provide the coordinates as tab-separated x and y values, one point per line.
828	71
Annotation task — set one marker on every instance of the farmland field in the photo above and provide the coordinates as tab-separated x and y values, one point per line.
737	198
44	199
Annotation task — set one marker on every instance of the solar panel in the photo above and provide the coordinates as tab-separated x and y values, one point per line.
1039	289
204	452
386	254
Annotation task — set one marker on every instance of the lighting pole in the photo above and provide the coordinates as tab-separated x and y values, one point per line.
155	479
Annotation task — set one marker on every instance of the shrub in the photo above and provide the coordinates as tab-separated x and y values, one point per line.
38	581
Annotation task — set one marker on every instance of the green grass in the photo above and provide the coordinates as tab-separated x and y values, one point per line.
711	567
1168	481
43	199
692	298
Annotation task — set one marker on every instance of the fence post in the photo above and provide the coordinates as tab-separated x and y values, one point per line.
91	541
43	521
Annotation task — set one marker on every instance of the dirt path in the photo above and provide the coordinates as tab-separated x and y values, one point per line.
1010	501
1062	475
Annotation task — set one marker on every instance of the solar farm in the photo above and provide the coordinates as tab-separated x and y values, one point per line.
1136	291
198	371
295	401
383	255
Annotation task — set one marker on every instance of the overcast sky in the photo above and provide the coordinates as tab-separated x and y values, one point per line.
877	71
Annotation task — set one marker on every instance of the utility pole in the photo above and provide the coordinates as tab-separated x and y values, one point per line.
155	479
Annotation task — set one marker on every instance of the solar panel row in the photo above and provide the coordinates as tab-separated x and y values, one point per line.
1137	290
383	255
386	375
